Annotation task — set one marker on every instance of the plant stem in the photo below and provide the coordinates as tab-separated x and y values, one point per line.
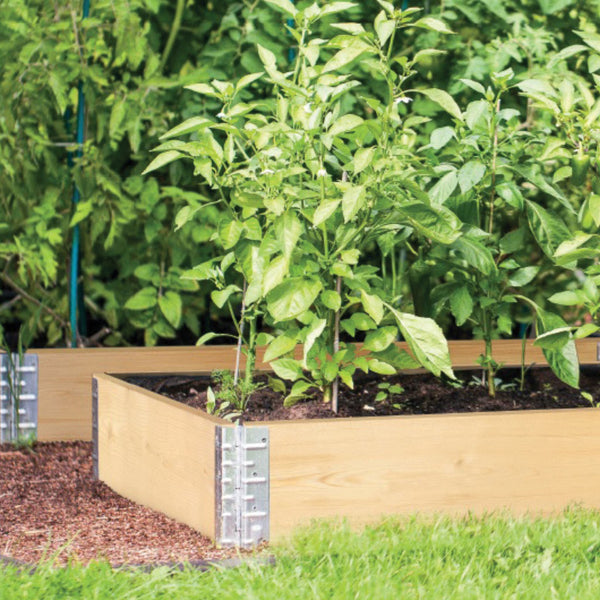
336	346
493	165
175	26
238	350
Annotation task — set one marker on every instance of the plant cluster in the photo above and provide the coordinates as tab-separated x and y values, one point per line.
318	164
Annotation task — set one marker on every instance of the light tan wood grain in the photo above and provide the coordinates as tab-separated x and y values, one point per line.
65	374
365	468
157	452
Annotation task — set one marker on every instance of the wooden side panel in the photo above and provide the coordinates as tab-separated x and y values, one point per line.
157	452
65	374
65	379
365	468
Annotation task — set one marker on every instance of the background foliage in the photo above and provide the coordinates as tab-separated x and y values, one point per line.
133	59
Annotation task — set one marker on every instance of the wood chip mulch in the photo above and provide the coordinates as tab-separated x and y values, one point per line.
52	508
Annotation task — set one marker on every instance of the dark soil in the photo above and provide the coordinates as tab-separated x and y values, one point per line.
422	394
51	506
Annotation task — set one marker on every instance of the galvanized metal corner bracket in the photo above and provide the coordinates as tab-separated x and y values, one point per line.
242	485
18	397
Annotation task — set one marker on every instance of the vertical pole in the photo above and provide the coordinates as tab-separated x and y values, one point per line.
80	138
292	50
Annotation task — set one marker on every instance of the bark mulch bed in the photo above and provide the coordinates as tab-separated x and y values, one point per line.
411	394
51	507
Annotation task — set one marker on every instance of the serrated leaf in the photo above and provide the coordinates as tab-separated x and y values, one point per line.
445	100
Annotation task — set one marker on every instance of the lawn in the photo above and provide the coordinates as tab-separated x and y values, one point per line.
491	557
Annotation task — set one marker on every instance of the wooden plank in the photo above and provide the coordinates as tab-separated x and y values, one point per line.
157	452
65	374
364	468
65	379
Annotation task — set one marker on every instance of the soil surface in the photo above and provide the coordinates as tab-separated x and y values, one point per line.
51	506
412	394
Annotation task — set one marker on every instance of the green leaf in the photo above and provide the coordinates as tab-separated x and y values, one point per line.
445	100
567	298
284	5
279	346
548	230
146	298
470	174
523	276
586	330
440	137
362	159
554	339
267	57
211	336
476	254
170	305
562	360
315	330
164	158
331	300
373	306
220	297
436	223
380	367
345	124
426	341
287	368
461	305
550	7
433	24
187	126
443	189
346	55
352	201
324	211
292	298
362	322
230	233
202	88
380	339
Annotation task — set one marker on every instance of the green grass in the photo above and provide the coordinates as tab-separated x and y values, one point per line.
493	557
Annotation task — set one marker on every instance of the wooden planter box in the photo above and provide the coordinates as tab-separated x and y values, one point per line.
240	485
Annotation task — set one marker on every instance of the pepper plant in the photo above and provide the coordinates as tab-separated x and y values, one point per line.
490	176
309	177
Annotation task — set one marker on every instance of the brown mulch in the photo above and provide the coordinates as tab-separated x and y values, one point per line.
51	507
418	394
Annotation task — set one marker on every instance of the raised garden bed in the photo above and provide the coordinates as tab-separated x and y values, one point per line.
181	461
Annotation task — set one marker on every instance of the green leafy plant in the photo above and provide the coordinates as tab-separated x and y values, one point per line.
307	185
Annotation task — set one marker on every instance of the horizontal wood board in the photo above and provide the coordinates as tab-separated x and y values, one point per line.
157	452
65	375
362	469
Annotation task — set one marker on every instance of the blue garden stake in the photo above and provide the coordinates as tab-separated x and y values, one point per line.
80	136
291	51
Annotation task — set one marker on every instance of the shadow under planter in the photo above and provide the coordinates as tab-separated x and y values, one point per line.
244	484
